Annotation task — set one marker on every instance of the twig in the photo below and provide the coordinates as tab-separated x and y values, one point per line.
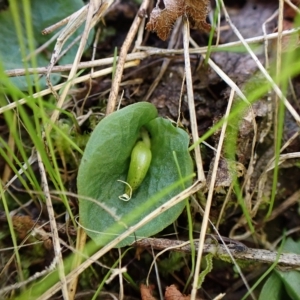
286	260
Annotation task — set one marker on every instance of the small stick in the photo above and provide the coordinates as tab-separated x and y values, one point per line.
285	261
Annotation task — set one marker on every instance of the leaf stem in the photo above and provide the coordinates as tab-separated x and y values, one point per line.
145	137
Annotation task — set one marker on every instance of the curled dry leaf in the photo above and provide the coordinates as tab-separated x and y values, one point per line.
166	12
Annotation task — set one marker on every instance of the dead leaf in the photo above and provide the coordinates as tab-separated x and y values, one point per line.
197	10
146	292
172	293
166	12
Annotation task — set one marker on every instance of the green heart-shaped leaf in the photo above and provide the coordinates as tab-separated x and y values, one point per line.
106	160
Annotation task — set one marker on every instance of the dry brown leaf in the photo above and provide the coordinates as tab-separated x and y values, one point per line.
197	10
172	293
166	12
146	292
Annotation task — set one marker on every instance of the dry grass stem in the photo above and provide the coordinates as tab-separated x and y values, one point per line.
148	51
191	103
293	6
56	244
171	45
91	19
275	87
80	245
209	202
59	86
112	100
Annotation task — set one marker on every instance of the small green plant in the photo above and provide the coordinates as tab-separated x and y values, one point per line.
283	284
106	162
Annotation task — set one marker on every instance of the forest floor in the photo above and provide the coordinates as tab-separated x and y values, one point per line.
263	171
